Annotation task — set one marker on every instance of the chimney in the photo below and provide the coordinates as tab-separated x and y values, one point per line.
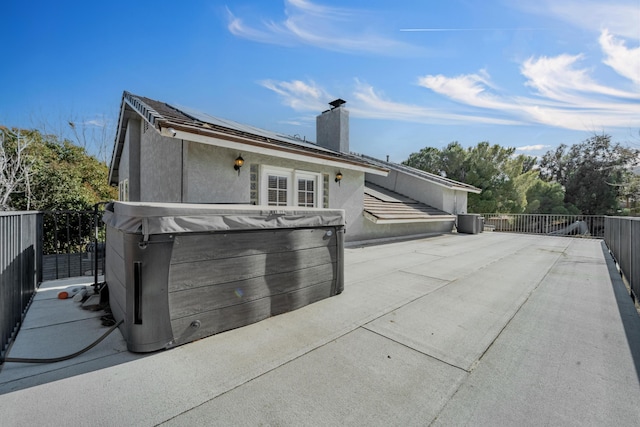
332	127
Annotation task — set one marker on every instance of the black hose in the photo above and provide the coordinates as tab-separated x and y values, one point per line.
62	358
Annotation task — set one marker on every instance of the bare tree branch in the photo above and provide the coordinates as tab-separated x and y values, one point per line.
14	164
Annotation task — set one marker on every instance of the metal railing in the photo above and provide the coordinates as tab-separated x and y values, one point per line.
622	236
73	243
20	273
553	225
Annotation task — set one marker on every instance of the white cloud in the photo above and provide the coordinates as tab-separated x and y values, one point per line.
564	94
557	78
299	95
624	61
537	147
469	89
619	16
238	28
372	105
98	122
325	27
365	102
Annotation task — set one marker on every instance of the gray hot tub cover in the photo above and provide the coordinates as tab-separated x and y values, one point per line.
164	218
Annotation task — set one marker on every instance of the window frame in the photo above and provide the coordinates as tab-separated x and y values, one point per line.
292	176
123	190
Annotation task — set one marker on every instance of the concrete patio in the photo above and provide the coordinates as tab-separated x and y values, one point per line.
487	329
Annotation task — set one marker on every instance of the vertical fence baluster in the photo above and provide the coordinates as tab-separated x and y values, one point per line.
68	245
18	246
79	246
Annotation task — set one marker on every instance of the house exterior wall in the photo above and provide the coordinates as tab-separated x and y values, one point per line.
210	178
173	170
439	197
371	231
124	168
160	167
128	169
132	153
349	195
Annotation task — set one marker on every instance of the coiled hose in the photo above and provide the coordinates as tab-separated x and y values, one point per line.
62	358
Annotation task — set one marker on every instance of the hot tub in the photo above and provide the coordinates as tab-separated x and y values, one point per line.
180	272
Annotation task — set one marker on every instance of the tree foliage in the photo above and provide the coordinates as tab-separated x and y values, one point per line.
548	198
62	176
589	178
595	174
503	177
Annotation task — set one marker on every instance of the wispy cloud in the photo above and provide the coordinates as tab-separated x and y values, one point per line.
97	122
623	60
373	105
563	94
562	90
537	147
329	28
619	16
469	89
366	102
299	95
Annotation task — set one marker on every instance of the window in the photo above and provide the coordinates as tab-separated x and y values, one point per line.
289	187
277	190
307	191
123	190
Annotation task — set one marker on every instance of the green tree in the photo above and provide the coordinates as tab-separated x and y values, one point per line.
503	178
548	198
63	177
427	159
454	162
594	173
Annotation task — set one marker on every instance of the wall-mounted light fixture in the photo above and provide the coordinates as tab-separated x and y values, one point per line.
339	177
237	164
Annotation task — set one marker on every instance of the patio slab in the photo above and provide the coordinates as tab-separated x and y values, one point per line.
509	328
570	356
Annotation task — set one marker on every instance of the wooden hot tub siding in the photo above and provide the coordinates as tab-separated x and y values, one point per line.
182	287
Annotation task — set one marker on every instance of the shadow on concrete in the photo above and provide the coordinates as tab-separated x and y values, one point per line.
55	328
628	313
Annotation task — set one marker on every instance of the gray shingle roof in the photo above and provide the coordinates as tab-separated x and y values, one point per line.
162	115
382	205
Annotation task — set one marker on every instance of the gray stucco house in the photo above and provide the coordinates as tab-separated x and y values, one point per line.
165	153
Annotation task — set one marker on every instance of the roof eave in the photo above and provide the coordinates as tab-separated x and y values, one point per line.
451	185
438	218
213	137
118	143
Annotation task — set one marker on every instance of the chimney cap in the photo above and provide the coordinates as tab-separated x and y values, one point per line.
337	103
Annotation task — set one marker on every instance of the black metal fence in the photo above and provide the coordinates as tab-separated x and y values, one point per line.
622	236
73	244
20	257
39	246
554	225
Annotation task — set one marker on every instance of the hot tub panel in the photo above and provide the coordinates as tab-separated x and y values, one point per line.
175	287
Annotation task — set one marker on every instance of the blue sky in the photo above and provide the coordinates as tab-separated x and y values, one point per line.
526	74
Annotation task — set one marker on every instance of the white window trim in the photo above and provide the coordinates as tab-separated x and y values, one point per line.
123	190
292	176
